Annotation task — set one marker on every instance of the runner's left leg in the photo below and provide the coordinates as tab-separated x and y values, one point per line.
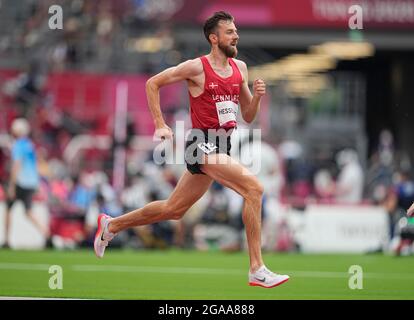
230	173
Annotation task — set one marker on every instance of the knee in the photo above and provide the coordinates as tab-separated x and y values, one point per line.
255	191
174	212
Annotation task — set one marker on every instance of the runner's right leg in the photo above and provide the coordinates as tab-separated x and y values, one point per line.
189	189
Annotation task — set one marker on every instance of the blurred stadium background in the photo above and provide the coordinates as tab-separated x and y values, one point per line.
337	146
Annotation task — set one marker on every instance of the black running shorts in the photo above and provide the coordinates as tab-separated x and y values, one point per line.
201	142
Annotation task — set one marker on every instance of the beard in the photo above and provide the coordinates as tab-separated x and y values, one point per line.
229	51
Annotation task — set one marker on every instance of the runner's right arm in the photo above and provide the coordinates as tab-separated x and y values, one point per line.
183	71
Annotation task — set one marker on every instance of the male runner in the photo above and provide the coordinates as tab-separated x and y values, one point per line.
217	83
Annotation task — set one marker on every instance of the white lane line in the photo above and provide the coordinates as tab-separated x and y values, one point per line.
186	270
24	266
153	269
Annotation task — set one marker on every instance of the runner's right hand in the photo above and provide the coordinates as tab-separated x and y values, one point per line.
163	133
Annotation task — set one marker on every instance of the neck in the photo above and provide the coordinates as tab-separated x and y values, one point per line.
218	58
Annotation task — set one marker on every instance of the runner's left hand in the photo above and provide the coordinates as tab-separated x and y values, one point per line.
259	88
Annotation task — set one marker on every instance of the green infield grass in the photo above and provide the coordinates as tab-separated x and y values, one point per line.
192	275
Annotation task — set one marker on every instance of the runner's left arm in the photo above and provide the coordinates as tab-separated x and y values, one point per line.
250	104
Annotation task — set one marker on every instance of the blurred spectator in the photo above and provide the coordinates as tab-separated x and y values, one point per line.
405	190
135	195
43	164
105	22
26	89
155	177
110	204
2	193
67	220
298	173
83	193
350	182
50	125
24	177
386	147
217	230
324	186
3	167
385	195
380	173
285	240
381	169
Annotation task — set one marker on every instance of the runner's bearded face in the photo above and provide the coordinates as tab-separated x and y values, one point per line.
227	39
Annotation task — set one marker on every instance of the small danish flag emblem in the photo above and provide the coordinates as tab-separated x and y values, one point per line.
212	85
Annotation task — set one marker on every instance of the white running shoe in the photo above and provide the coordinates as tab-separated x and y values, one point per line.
102	236
265	278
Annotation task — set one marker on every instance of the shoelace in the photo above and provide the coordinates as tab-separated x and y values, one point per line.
268	272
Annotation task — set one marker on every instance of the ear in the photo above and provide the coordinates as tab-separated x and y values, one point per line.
213	38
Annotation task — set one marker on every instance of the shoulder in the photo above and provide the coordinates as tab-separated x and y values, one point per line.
191	67
242	68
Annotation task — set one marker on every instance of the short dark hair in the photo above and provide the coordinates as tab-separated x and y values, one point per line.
211	23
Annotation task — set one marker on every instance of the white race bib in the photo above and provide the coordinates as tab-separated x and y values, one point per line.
226	111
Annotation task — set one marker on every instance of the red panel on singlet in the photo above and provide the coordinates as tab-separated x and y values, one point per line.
217	106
